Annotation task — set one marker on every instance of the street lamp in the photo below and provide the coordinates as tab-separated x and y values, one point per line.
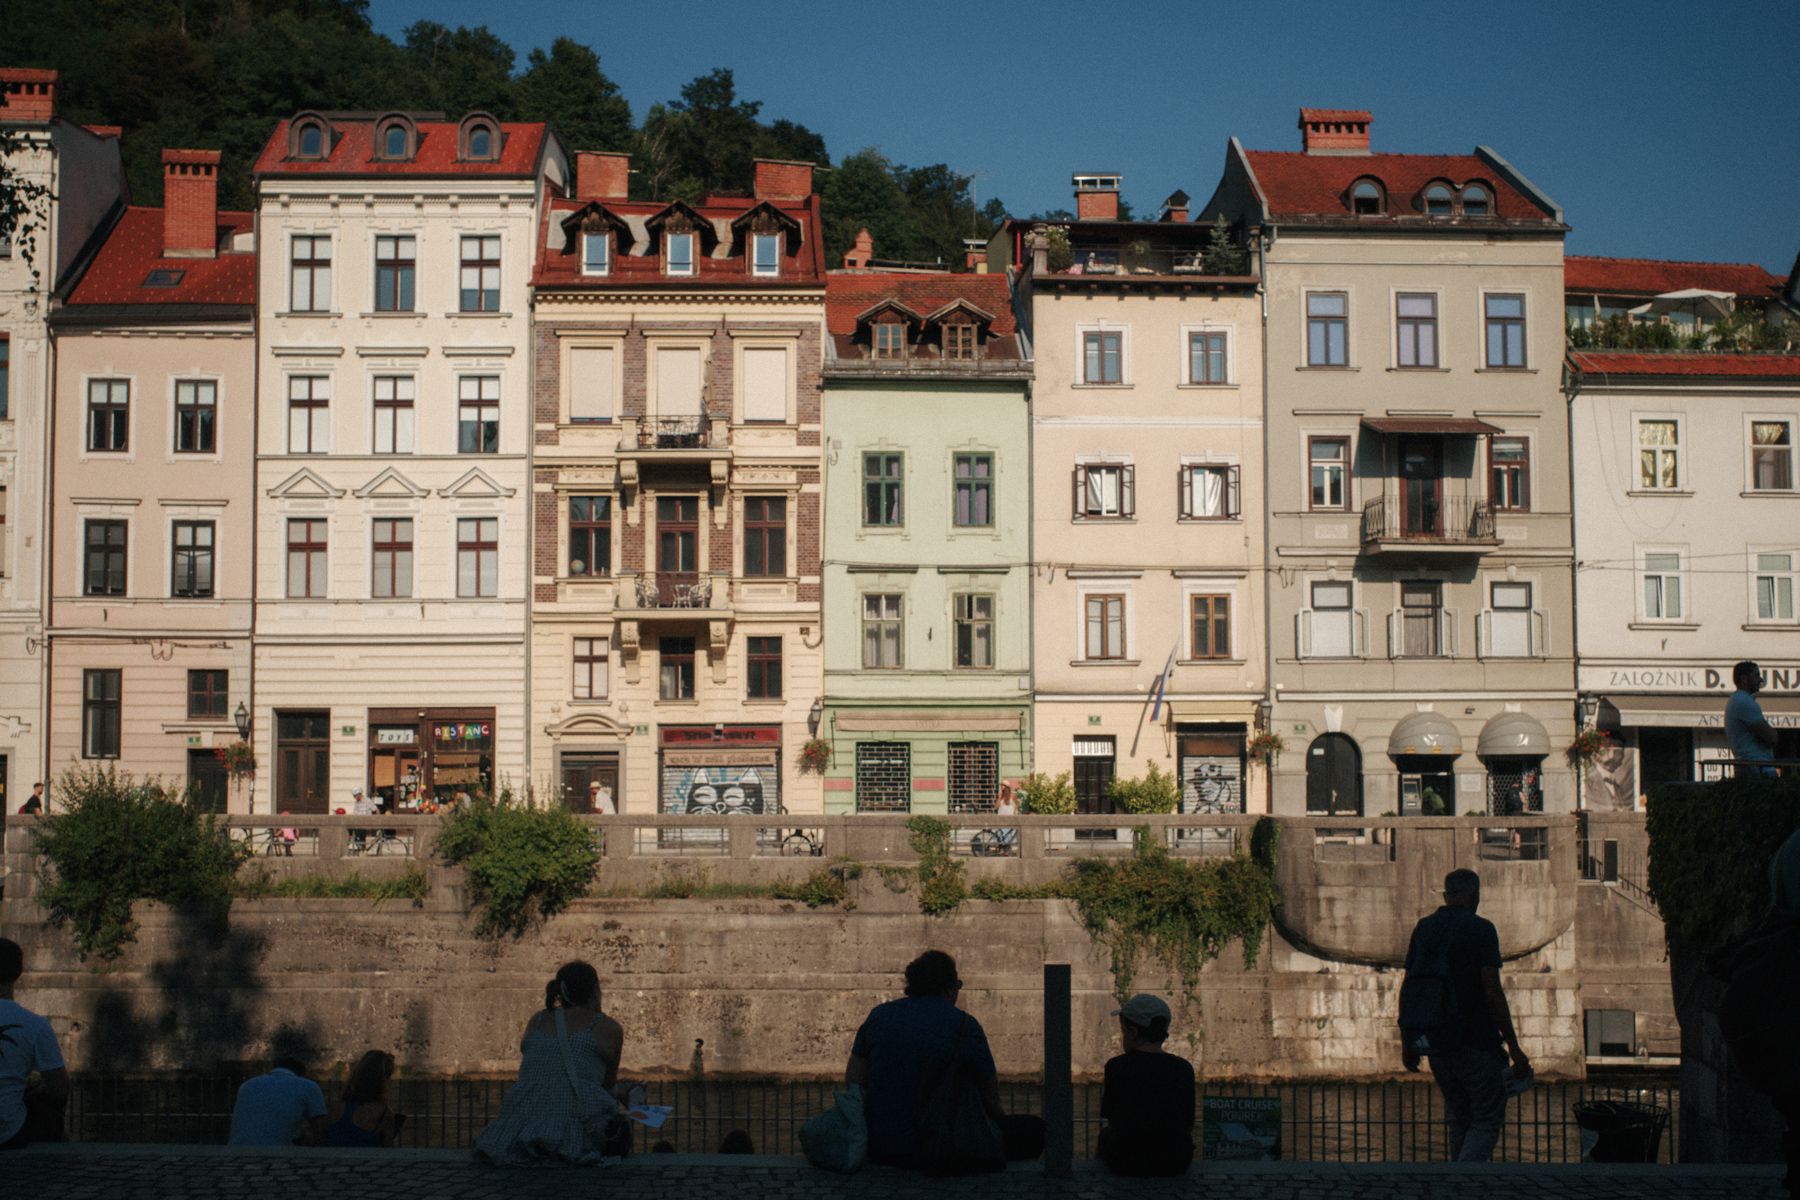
241	718
1590	708
1263	711
814	715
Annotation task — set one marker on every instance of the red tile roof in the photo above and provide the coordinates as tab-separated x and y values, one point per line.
1735	366
1654	276
353	152
802	265
134	248
1296	184
849	295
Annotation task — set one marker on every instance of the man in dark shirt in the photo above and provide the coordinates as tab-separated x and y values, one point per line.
1472	1076
1148	1100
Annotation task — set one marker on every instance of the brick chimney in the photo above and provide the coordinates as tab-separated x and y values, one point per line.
602	175
190	203
857	257
1335	130
1096	197
1175	208
780	180
27	94
975	256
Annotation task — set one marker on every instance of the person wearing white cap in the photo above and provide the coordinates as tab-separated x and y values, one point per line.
1148	1099
360	807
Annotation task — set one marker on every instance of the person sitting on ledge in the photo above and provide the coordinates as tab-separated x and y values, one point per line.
1148	1099
737	1142
282	1108
28	1113
362	1117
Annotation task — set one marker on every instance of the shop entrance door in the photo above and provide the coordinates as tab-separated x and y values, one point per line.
302	762
1334	776
580	772
1096	761
207	781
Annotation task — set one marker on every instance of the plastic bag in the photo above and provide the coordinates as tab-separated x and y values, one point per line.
838	1138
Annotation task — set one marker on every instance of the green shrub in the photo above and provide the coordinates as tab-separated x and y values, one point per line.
524	863
115	840
1710	849
941	886
412	884
825	886
1052	795
1158	791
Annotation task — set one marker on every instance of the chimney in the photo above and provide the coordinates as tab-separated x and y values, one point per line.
1096	197
975	256
602	175
857	257
27	94
777	179
1334	130
1175	208
190	203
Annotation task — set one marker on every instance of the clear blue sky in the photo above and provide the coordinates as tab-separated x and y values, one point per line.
1665	130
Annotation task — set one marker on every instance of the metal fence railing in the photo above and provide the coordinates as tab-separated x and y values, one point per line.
1395	1121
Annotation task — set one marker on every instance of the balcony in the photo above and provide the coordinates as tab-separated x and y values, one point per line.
674	438
694	595
1417	523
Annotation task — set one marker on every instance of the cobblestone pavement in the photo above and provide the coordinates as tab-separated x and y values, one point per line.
92	1172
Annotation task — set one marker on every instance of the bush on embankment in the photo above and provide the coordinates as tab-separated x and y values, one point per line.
1710	848
524	863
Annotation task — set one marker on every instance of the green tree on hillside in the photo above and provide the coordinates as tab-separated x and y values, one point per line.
590	114
460	70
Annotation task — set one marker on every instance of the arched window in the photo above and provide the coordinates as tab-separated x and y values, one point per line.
393	141
1334	776
480	138
309	137
1367	199
394	138
1440	201
481	142
1477	201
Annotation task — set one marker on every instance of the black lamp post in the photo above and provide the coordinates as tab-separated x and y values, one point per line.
241	718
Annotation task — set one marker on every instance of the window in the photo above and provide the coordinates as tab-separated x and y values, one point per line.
1662	587
679	387
1209	493
1775	586
1505	331
1105	491
1105	624
1102	357
881	630
974	619
1771	456
306	559
393	414
1206	358
883	776
765	536
309	140
478	414
208	693
1509	474
395	256
393	141
1477	201
972	776
478	557
765	383
1210	620
191	571
1440	201
479	142
1327	329
309	414
1509	620
590	535
596	252
974	491
762	668
1329	625
1328	464
1415	318
888	339
678	250
960	343
1367	199
164	278
677	535
1421	619
103	558
5	378
883	484
675	668
591	383
1659	455
481	273
109	415
391	571
196	416
100	713
765	254
590	668
309	274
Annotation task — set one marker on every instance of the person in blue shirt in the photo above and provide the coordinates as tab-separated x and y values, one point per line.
1746	729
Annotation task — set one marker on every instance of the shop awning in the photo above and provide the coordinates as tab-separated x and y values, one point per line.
1424	733
929	720
1466	426
1513	735
1233	711
1689	712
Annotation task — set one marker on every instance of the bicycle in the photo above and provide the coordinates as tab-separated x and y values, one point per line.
993	843
268	842
800	844
373	840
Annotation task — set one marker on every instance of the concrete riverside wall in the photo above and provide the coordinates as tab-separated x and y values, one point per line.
1723	1119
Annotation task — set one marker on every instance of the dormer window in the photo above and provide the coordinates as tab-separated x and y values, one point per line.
596	252
309	138
678	253
887	339
481	142
394	139
960	341
765	254
1440	201
1367	199
1477	201
479	138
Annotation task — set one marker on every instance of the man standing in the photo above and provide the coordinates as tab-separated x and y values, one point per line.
1746	729
1148	1100
278	1109
1453	1011
28	1113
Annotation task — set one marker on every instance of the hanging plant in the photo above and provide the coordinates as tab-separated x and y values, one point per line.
239	760
815	756
1266	746
1588	745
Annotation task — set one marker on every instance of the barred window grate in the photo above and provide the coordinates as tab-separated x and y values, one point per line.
973	781
883	776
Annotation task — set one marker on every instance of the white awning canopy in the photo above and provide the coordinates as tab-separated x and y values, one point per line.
1424	733
1695	301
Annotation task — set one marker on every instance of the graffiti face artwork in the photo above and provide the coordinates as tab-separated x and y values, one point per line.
720	791
1212	789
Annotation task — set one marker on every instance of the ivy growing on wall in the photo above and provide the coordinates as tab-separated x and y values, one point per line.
1710	850
941	885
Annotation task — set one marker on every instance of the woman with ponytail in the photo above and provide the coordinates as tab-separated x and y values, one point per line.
562	1108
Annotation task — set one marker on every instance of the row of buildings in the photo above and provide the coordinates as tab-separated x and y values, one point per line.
453	464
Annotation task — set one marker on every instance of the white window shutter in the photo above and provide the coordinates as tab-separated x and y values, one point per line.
1233	490
1080	492
1128	490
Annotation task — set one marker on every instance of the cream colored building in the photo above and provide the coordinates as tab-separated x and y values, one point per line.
1147	513
1420	631
152	501
394	437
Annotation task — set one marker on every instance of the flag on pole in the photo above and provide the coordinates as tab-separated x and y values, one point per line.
1162	681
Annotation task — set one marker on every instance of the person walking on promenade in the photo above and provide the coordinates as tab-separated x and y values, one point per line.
281	1108
28	1112
1148	1099
34	804
1453	1011
1747	731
